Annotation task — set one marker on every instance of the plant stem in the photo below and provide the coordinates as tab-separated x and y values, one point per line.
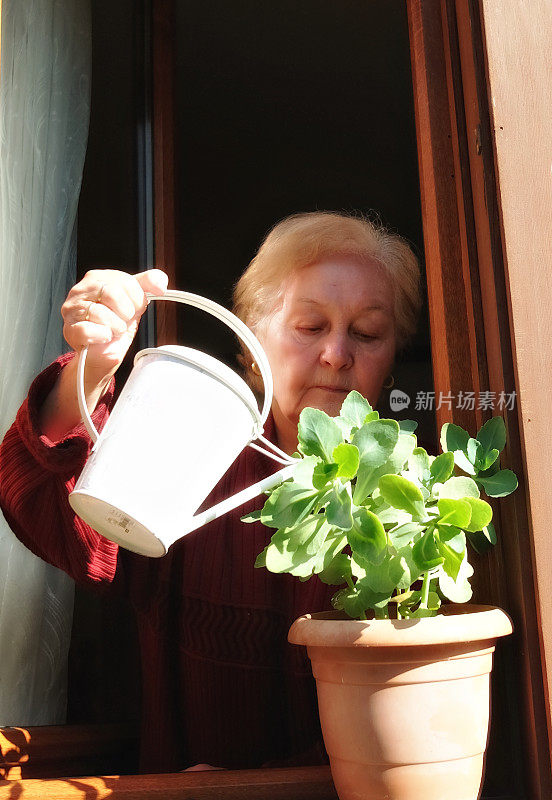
425	590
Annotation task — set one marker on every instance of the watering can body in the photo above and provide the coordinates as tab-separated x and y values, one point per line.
181	420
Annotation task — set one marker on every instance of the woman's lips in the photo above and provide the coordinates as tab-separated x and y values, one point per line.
338	389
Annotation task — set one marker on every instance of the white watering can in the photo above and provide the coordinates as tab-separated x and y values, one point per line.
181	420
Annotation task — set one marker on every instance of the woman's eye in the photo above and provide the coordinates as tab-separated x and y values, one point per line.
310	329
367	337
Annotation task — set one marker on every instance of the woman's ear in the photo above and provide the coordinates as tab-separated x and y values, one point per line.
251	372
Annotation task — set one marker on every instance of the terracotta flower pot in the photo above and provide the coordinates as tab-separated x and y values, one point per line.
404	704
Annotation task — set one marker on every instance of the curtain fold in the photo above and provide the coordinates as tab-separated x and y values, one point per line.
44	113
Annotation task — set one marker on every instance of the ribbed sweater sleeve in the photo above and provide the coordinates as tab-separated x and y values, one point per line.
36	476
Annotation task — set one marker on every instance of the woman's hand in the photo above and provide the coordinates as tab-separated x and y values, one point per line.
102	311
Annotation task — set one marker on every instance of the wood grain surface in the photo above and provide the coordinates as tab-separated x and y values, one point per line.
472	168
53	750
300	783
518	55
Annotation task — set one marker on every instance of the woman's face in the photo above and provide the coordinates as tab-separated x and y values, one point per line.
334	332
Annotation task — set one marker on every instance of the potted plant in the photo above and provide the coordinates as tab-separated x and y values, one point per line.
402	679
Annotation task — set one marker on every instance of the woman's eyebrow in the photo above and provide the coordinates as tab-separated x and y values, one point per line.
311	301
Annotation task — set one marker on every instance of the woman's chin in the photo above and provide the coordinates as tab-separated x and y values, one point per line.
326	400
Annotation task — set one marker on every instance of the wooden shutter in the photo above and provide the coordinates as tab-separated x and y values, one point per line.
480	312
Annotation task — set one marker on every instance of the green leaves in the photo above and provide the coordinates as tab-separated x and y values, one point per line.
478	457
458	487
441	468
338	510
453	438
500	484
408	425
289	547
396	570
304	550
368	476
426	551
344	464
470	513
492	436
409	604
303	471
288	505
318	434
402	535
347	458
371	512
457	590
355	408
356	599
455	512
323	474
403	494
418	464
367	537
481	514
376	441
483	540
451	544
338	571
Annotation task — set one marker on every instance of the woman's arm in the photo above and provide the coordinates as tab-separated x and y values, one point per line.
102	312
36	476
46	448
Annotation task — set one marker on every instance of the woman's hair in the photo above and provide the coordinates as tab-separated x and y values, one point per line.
307	238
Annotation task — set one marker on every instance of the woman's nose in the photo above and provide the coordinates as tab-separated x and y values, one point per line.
336	352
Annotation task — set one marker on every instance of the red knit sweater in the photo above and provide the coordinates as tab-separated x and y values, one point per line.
221	685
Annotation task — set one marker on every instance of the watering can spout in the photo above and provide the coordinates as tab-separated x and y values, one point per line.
143	492
198	520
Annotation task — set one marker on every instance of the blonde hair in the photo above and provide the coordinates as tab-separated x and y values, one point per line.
307	238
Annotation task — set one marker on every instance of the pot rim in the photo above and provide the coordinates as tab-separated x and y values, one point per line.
454	623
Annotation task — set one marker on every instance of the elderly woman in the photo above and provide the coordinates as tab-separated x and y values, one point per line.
332	298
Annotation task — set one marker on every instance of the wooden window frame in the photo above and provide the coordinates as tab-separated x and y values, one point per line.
462	51
480	329
92	750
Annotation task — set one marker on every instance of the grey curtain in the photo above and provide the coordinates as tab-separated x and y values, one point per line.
44	112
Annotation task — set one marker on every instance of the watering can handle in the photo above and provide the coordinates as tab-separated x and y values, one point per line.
240	329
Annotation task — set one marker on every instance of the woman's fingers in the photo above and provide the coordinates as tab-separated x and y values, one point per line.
82	334
97	313
107	303
102	312
125	299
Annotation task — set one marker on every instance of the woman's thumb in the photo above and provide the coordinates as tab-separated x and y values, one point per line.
153	280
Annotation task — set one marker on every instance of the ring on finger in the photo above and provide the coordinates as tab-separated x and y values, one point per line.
87	314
